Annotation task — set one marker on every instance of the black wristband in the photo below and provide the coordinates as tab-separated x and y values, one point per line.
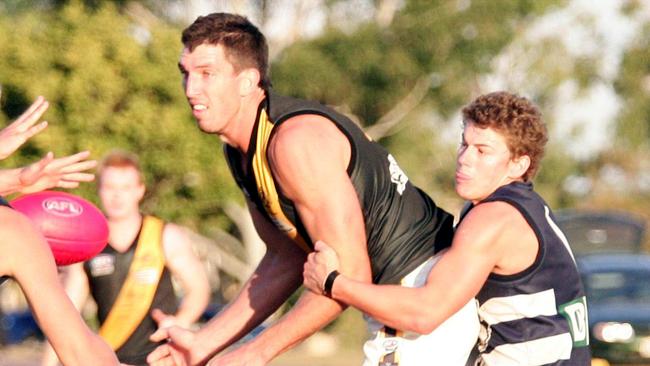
329	282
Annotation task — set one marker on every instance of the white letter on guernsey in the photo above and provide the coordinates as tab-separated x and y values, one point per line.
397	176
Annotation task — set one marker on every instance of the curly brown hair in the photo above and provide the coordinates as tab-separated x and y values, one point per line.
244	44
517	119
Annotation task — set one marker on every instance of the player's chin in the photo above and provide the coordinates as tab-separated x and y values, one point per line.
206	127
463	191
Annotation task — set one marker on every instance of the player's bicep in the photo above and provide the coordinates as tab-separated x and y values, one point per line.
473	255
310	164
179	255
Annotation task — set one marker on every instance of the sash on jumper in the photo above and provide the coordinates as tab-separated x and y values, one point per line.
266	185
137	292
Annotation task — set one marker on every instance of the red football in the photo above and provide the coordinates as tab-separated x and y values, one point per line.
75	228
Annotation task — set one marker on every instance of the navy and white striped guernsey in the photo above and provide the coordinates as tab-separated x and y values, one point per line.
538	316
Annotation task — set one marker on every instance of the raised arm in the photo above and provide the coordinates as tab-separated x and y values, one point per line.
483	243
188	270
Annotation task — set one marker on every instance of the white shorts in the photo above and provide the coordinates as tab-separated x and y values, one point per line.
448	345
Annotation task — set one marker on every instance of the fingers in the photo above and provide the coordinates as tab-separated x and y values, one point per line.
321	246
68	164
67	172
162	319
160	335
71	159
157	355
158	315
40	165
76	167
32	114
67	185
171	353
77	177
35	129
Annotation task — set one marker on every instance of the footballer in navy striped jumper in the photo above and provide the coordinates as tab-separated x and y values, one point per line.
507	252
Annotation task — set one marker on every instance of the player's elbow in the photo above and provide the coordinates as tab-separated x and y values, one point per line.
423	324
420	318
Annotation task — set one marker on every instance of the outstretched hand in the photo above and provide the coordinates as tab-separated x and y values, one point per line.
177	350
65	172
22	129
320	263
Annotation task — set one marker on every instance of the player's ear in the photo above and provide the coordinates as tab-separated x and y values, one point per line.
141	190
249	80
518	166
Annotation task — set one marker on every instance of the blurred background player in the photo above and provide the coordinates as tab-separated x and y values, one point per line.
25	255
131	279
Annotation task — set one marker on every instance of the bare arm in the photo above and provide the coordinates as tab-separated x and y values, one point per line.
188	269
484	243
309	159
33	268
276	277
75	283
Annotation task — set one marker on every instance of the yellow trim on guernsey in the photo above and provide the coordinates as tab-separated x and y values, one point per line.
137	293
266	185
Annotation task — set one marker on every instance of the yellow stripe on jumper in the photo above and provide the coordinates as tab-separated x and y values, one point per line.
137	292
266	185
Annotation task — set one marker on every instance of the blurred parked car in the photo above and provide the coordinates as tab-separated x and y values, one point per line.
608	246
618	298
602	232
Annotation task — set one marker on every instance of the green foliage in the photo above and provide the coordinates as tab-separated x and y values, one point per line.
633	85
374	67
110	89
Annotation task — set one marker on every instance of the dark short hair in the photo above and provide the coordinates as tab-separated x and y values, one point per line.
517	118
244	44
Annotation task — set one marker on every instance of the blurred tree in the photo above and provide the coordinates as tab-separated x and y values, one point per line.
633	85
631	153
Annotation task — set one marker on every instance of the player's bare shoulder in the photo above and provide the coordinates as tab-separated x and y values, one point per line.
175	239
307	150
511	236
301	134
